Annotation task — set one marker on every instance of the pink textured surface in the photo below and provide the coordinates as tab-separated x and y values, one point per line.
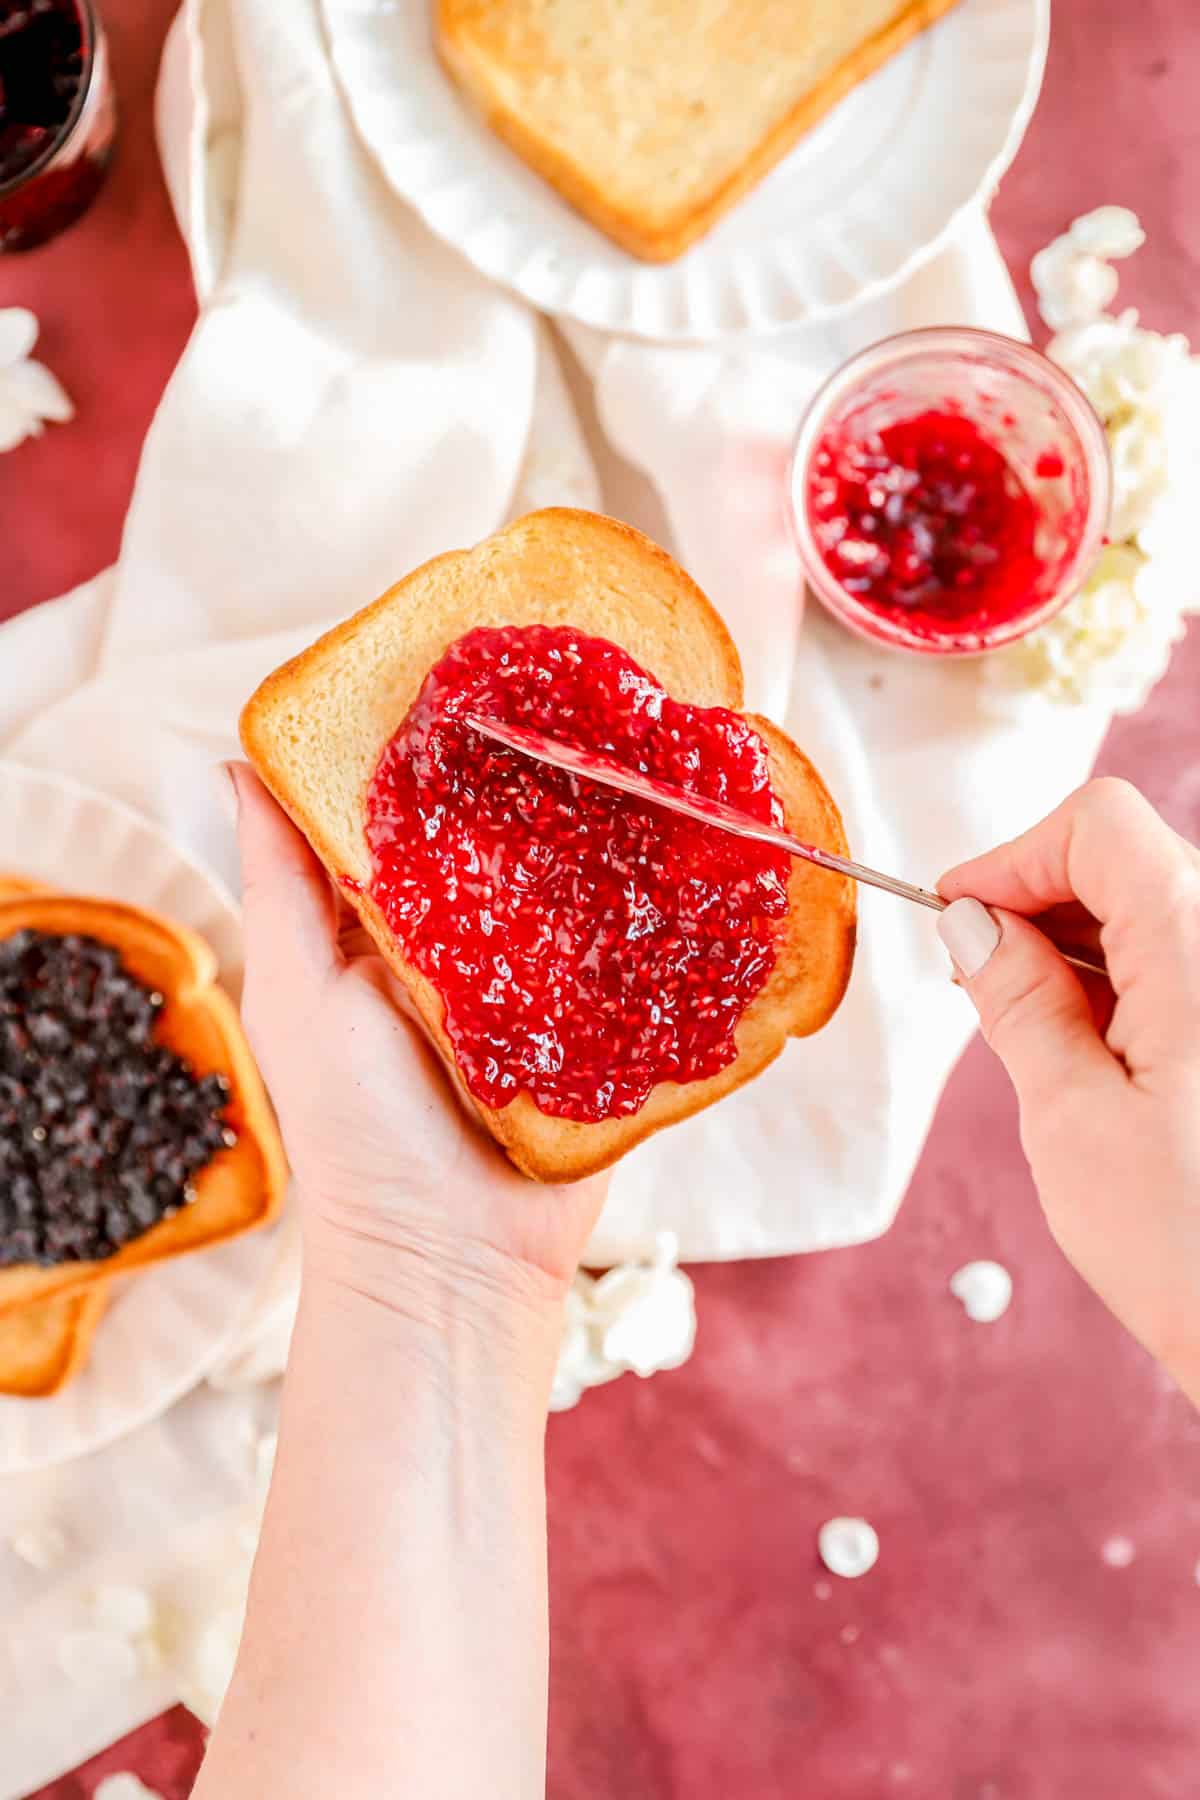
699	1649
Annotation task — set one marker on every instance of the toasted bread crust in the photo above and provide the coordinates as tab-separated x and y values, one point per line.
663	238
19	887
44	1345
242	1187
329	681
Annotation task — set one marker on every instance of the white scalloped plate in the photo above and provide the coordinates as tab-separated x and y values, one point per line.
165	1328
864	197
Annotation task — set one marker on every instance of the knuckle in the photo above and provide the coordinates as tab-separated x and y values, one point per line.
1111	799
1111	790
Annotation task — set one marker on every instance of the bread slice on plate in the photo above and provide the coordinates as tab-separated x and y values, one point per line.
316	728
243	1186
43	1345
652	117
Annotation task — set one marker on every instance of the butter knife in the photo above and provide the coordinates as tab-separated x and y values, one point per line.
603	769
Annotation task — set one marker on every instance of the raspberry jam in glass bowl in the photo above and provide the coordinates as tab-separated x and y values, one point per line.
57	117
950	491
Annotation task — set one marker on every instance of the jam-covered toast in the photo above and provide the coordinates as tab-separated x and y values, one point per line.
317	730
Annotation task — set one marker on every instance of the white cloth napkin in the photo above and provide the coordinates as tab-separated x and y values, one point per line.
354	399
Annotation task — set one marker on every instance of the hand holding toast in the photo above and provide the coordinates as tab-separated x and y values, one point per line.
397	1618
403	1196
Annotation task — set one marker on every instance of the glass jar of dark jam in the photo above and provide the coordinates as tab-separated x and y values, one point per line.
57	117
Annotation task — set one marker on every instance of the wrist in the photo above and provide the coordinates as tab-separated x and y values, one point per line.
460	1306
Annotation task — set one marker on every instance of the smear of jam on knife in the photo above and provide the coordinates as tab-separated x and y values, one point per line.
586	946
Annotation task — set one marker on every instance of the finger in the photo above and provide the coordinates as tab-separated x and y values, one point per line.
287	907
1104	847
1033	1011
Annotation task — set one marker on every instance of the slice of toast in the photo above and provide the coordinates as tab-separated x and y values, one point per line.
42	1346
315	730
243	1186
652	117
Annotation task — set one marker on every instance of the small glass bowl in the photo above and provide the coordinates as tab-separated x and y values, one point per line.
51	192
1027	406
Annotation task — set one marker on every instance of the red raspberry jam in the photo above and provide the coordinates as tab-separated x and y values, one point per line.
586	946
927	522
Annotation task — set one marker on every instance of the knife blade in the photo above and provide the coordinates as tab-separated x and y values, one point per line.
590	766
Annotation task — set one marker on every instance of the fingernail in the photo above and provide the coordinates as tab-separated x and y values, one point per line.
227	790
970	934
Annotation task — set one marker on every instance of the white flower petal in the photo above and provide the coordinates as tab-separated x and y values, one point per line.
124	1787
18	333
566	1390
985	1289
1109	231
848	1547
15	423
646	1316
1072	288
31	384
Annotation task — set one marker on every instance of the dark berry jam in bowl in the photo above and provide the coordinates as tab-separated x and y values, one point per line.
950	491
57	117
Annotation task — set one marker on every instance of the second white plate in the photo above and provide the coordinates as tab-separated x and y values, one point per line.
856	205
164	1329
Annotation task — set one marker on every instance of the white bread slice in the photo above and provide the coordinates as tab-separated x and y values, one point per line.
652	117
315	730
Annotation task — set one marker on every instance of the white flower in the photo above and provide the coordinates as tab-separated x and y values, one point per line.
848	1547
1115	639
581	1361
985	1289
29	393
646	1316
1108	231
1109	646
638	1317
1072	276
1119	366
1070	287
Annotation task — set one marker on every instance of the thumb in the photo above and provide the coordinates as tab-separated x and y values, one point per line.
1033	1010
288	910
